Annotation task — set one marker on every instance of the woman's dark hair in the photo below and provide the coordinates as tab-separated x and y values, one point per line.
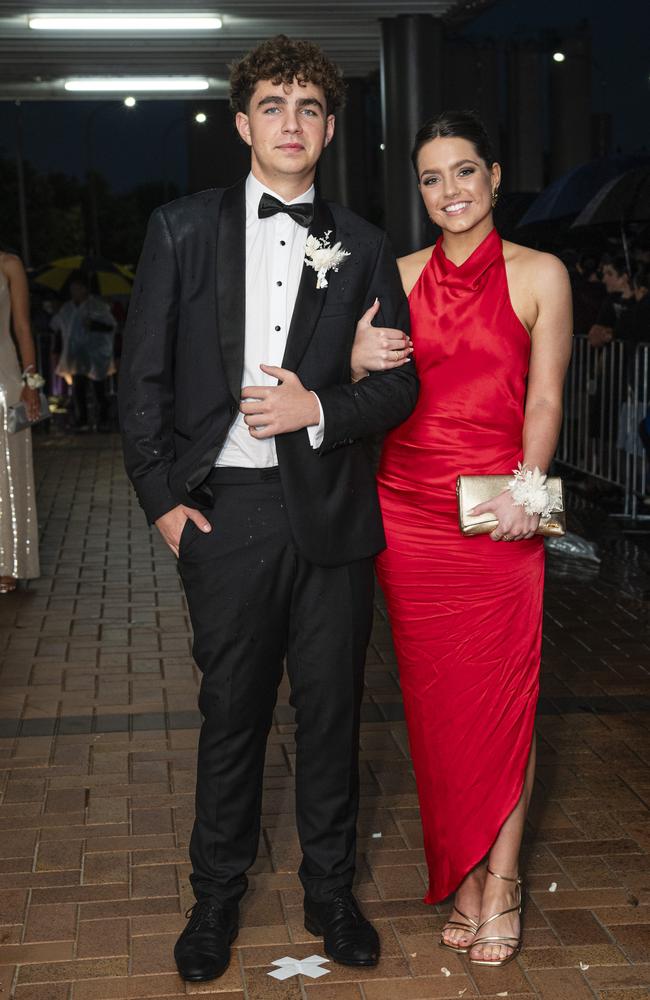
283	60
455	125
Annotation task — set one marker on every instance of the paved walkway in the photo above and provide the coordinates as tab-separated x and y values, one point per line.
98	730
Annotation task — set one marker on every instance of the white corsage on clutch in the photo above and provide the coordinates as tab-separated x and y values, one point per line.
323	257
530	491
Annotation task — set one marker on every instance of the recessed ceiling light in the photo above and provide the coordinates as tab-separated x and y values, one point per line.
200	118
130	102
559	57
127	85
125	22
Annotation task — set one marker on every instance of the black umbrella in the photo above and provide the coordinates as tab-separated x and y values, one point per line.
622	200
570	193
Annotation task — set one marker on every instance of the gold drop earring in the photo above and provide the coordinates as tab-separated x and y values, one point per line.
495	197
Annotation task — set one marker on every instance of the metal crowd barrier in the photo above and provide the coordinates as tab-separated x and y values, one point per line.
606	398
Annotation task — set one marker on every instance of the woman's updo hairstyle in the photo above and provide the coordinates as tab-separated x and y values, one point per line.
455	125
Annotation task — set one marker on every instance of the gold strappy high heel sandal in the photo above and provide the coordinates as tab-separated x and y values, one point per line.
508	940
466	924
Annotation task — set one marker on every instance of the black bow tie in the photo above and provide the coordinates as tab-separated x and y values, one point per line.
302	212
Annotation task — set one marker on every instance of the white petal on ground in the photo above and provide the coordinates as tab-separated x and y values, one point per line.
310	967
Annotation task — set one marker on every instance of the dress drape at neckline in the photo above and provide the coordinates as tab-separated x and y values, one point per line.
467	276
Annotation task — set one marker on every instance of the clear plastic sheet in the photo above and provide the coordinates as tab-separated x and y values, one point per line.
572	558
571	546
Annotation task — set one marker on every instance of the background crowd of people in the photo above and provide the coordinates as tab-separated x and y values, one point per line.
78	333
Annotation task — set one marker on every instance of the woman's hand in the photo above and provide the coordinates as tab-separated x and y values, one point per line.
378	348
30	398
514	523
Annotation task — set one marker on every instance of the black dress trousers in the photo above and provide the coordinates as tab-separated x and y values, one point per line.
253	600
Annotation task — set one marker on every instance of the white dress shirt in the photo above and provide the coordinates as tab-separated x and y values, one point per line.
275	252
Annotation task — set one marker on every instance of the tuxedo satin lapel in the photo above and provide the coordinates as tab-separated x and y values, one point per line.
231	284
310	300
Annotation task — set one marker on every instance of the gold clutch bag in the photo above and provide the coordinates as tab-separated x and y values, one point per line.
473	490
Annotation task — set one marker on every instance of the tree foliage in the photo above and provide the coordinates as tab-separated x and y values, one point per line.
58	214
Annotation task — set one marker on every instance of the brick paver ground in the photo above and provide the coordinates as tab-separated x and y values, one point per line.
98	728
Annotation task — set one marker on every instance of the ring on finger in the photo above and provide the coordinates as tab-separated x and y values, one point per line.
506	538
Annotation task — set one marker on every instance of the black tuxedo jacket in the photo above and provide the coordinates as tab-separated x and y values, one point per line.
182	362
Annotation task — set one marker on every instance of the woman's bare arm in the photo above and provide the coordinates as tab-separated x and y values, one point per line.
14	272
551	336
540	287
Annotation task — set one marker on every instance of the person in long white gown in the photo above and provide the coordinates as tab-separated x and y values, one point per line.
18	518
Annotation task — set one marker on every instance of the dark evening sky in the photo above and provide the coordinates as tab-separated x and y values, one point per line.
620	31
128	145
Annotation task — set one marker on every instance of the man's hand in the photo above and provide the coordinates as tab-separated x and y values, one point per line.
171	524
277	409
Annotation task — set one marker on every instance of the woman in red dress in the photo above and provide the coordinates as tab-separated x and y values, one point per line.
491	332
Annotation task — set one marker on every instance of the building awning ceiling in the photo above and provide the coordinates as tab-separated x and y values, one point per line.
34	64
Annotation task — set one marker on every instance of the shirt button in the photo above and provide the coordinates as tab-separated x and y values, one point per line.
283	243
278	283
277	329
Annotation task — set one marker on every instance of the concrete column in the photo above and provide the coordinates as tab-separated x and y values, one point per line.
524	155
344	167
570	104
601	133
411	86
471	81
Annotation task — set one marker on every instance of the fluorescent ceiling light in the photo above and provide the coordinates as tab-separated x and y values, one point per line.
144	83
126	22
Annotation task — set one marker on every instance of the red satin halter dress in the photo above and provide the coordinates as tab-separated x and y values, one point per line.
466	613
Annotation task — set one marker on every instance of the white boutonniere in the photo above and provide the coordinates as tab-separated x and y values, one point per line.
323	257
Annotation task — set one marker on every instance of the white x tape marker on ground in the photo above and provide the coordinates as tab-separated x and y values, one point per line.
310	967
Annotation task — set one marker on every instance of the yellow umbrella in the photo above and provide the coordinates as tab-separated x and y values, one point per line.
106	277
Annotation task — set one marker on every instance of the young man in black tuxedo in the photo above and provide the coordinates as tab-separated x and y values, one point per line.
244	439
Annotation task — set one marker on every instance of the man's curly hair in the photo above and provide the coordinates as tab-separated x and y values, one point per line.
283	60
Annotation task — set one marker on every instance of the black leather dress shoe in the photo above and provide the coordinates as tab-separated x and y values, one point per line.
348	937
202	952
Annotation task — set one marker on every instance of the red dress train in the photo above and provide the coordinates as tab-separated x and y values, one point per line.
466	613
